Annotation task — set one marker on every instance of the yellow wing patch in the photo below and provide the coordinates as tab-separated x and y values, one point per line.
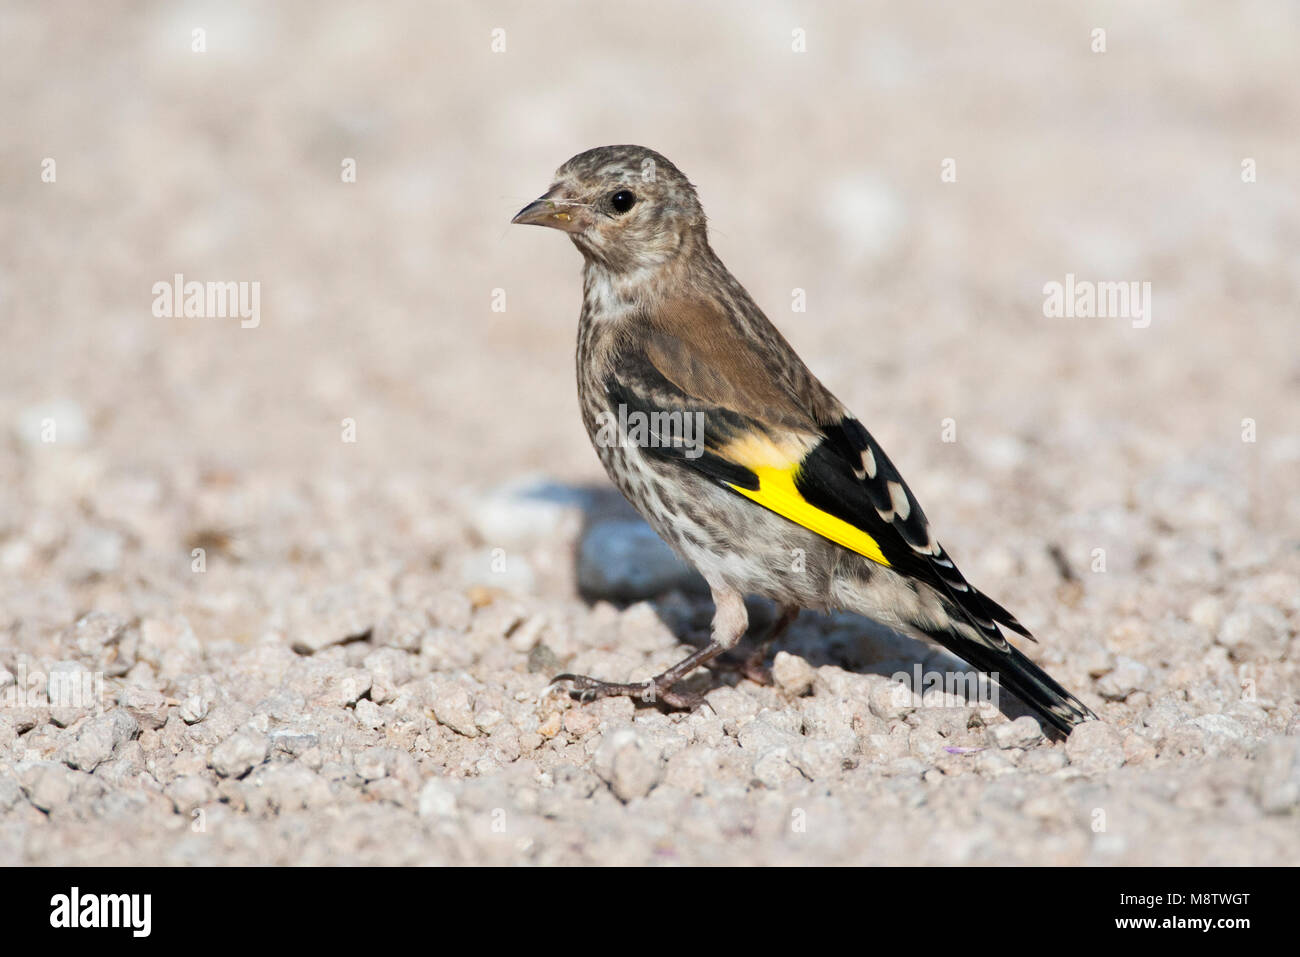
776	491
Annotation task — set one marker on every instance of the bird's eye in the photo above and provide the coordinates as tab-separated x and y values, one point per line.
622	201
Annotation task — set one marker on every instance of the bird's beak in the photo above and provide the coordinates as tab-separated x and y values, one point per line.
555	210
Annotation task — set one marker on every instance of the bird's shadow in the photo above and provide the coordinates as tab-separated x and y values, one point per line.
852	642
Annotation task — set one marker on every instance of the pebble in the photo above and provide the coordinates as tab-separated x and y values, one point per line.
343	688
437	799
11	792
47	784
331	619
98	738
628	762
368	714
1094	746
73	690
285	787
147	706
1127	675
389	669
1207	612
1275	777
1024	732
1254	633
293	742
580	722
239	753
452	706
1137	749
891	700
400	630
189	791
792	674
197	697
774	767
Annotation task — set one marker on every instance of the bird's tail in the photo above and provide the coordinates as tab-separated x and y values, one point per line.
1017	674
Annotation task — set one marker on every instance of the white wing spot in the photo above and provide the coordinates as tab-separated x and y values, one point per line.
898	497
869	462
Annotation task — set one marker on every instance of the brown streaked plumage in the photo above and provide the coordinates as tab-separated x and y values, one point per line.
778	468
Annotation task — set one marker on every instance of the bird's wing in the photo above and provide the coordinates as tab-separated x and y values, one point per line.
775	435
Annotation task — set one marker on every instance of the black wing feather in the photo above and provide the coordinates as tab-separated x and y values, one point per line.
850	452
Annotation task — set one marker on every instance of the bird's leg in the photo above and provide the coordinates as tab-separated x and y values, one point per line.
729	623
753	667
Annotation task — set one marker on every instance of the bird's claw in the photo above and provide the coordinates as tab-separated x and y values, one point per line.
586	688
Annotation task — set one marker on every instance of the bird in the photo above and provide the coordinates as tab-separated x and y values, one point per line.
749	468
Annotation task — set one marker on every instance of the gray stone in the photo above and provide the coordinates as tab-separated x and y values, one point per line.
1275	778
47	784
343	688
98	738
368	714
1094	746
239	753
389	669
818	760
1254	633
1220	725
289	787
94	632
197	697
11	792
792	674
452	706
891	700
147	706
1127	675
774	767
728	703
189	791
333	617
292	741
1024	732
400	630
628	761
438	799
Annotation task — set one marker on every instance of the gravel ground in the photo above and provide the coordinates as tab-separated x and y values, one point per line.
229	634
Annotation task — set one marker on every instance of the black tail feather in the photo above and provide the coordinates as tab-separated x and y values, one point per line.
1017	674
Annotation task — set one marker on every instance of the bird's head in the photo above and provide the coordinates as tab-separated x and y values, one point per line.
624	207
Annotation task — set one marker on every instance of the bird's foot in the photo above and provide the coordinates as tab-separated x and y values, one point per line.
658	690
655	691
755	669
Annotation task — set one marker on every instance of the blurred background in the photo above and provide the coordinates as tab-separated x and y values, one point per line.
920	172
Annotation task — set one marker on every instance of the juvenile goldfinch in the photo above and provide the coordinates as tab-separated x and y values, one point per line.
715	430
